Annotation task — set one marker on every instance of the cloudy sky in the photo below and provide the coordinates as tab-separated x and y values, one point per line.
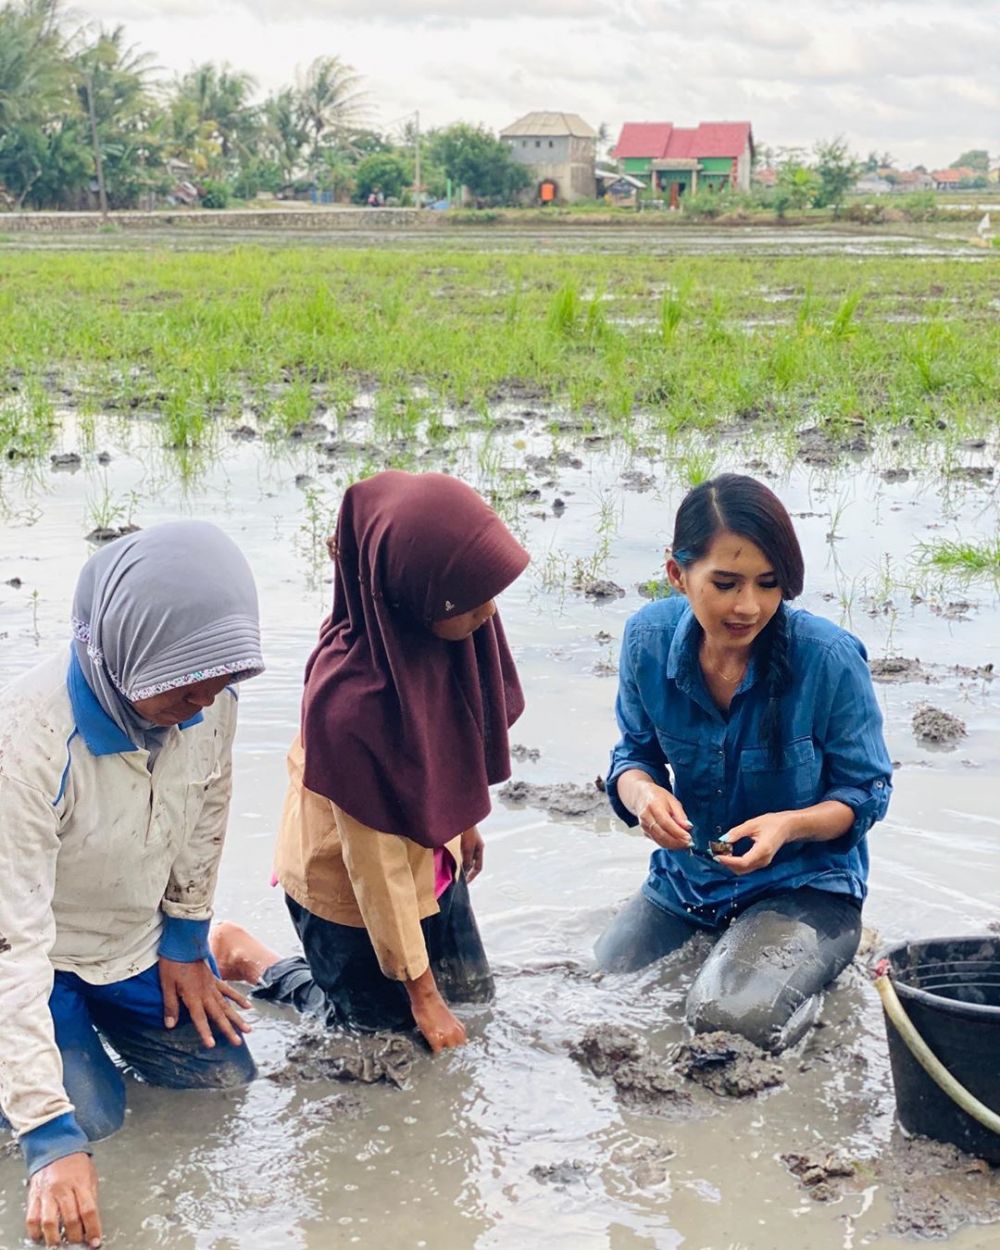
919	78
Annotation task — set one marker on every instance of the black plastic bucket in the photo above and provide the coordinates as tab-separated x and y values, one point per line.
950	988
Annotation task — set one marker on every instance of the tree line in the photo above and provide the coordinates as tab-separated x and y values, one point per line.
81	106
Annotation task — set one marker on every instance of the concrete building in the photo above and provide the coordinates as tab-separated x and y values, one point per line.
560	149
677	161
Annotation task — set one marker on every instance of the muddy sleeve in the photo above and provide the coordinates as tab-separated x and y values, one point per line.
638	747
382	876
31	1086
857	770
187	901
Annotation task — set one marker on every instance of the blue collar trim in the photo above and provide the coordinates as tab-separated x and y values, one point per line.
98	730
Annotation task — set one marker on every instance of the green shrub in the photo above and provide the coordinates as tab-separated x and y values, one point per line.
214	195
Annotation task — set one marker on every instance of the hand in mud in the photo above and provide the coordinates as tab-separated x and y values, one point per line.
662	818
62	1199
472	853
769	833
209	1000
435	1021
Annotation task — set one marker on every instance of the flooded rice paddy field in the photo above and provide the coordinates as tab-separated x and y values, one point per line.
511	1142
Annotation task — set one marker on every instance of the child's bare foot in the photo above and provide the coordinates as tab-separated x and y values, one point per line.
240	956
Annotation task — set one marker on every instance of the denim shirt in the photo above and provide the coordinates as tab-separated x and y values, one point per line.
718	764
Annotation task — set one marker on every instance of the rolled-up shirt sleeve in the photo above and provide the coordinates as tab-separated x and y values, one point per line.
638	747
857	770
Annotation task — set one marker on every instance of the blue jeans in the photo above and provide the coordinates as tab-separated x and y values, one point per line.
128	1015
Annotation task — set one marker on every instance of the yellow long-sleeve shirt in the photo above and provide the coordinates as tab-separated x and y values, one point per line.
350	874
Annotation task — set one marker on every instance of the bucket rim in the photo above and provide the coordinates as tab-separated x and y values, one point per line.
937	1002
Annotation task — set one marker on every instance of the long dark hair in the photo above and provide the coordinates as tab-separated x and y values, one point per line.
744	506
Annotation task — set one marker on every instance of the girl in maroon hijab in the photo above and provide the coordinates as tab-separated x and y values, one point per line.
408	698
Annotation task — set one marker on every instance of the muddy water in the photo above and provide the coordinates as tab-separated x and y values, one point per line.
510	1143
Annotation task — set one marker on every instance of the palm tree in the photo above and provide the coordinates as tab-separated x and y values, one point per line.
331	100
284	133
211	104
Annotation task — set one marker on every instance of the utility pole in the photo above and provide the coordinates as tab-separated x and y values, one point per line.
102	193
416	161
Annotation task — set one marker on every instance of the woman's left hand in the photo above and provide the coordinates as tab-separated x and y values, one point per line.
770	832
472	853
208	1000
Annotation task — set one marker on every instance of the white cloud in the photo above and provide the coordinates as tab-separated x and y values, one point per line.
917	76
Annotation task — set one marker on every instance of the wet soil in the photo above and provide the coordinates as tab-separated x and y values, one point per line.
722	1063
561	799
897	668
933	1188
935	726
344	1106
321	1055
568	1172
727	1064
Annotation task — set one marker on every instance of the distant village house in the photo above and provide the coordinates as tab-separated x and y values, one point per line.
560	150
676	161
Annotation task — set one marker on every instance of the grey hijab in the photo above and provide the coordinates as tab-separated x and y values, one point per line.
162	608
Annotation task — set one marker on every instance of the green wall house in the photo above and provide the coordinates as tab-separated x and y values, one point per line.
676	162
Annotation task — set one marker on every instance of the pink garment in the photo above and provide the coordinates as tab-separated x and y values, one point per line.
444	871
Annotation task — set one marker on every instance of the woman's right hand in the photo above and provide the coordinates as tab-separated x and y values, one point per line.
662	817
441	1029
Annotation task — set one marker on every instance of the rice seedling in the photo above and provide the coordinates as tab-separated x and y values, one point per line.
962	557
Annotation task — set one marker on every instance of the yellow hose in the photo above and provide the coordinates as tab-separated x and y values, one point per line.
930	1063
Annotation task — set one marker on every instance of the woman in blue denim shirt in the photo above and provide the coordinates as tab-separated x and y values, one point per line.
747	722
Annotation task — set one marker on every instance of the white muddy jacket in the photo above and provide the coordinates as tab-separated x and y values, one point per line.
95	851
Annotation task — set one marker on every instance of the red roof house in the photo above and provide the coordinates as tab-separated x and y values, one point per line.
712	154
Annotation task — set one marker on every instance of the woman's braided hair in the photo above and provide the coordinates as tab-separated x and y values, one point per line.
741	505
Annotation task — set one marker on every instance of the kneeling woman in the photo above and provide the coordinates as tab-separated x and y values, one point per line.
408	699
747	722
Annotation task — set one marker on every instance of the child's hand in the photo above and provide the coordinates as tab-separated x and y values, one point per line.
472	853
435	1021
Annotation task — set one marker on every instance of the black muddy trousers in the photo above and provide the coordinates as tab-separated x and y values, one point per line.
764	976
338	977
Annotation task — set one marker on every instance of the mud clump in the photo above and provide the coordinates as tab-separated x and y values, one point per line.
319	1055
818	1177
645	1164
599	589
525	754
895	475
824	445
970	473
727	1064
646	1084
635	479
243	433
108	533
897	668
605	1047
937	727
560	799
568	1172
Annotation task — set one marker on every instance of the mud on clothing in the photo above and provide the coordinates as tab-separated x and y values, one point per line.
719	766
339	978
350	875
365	906
105	866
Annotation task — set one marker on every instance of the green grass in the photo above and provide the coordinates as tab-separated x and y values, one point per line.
633	343
963	557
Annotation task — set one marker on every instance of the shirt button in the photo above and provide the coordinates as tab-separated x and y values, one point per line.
718	828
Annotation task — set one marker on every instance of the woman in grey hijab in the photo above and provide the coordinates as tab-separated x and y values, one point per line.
115	780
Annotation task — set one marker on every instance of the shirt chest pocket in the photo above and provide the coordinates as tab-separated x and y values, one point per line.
793	784
691	764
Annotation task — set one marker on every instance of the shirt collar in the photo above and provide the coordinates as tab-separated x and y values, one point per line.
682	658
98	730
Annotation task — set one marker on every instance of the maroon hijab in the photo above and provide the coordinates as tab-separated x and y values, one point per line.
401	729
